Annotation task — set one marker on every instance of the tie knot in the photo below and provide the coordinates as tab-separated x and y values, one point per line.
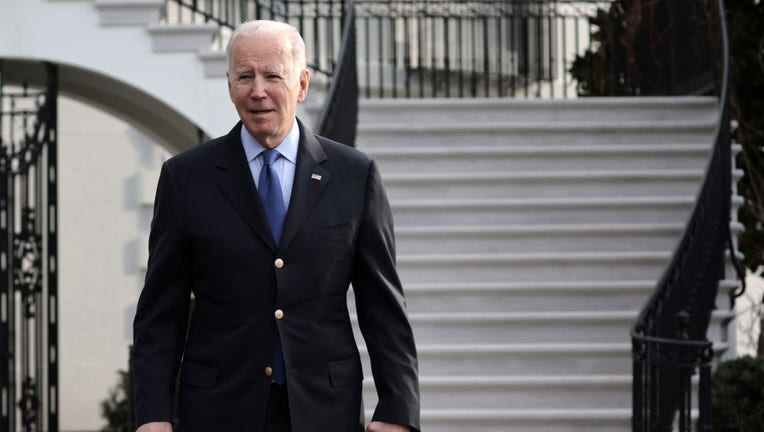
269	156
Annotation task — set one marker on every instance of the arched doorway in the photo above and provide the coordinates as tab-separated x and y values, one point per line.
88	267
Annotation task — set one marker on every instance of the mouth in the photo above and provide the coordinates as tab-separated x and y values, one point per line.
260	111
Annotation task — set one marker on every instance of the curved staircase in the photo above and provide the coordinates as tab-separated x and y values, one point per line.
530	234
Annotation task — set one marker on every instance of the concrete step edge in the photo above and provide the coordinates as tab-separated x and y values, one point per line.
500	101
556	202
524	348
555	149
203	28
534	348
437	177
494	127
128	3
550	415
554	381
551	202
545	229
532	286
546	316
549	257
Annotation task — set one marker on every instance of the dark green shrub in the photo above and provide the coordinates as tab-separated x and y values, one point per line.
737	395
116	408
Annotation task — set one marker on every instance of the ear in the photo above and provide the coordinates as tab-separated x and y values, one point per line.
304	81
230	86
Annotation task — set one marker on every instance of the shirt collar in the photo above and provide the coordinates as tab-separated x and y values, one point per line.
287	148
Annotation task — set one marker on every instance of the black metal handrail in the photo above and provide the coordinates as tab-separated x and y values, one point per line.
669	336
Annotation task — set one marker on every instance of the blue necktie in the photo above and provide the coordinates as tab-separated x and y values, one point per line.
269	189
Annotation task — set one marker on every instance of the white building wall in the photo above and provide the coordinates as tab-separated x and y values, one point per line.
102	228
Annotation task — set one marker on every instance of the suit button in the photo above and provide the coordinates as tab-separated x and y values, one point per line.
279	263
268	371
279	314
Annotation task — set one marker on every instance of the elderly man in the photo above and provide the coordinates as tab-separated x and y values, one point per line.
267	227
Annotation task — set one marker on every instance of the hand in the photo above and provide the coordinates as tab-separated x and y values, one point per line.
376	426
155	427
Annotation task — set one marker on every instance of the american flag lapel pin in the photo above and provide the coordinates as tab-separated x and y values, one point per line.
315	177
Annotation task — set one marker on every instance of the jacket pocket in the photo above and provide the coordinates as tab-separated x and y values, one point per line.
198	375
336	231
344	372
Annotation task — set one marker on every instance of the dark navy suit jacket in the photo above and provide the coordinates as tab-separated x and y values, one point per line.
209	237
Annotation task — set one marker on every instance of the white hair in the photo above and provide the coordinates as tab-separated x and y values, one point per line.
294	45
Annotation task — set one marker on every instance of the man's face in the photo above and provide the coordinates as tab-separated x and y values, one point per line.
264	86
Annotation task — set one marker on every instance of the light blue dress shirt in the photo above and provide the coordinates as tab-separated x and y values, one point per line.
284	166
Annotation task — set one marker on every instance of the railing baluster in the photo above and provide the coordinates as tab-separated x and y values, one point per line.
393	55
420	55
551	66
499	57
381	55
367	53
474	55
460	58
446	56
407	68
563	56
485	49
433	47
513	60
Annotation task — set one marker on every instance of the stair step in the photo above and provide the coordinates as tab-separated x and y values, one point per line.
522	327
541	158
530	267
538	210
522	358
520	392
537	238
483	134
558	358
181	37
529	327
215	63
129	12
504	110
447	297
556	184
527	296
526	420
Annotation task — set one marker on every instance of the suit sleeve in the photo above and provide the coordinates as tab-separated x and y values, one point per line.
382	312
159	328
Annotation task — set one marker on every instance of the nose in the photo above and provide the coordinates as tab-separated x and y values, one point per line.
257	90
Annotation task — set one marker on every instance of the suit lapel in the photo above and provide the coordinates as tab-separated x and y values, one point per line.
235	181
310	179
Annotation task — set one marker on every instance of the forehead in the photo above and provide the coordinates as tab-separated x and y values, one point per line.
263	49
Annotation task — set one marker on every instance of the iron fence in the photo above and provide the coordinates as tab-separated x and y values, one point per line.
28	255
429	48
477	48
